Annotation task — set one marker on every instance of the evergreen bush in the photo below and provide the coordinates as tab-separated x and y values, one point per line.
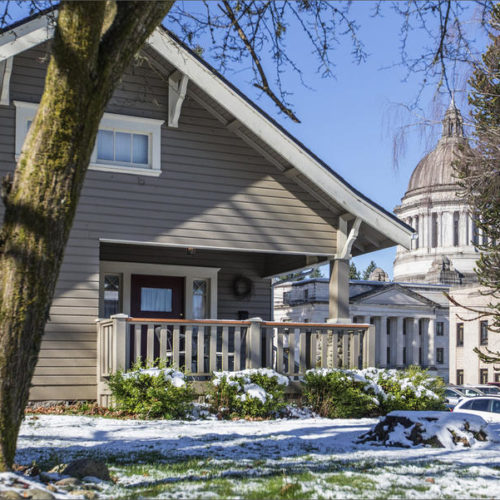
337	393
253	393
152	391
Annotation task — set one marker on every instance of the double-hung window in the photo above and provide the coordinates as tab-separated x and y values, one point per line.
125	144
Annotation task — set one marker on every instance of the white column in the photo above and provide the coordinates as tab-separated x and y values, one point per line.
382	341
400	341
415	341
431	339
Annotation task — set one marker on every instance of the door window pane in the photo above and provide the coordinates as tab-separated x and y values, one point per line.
200	299
105	145
140	149
123	147
111	295
156	299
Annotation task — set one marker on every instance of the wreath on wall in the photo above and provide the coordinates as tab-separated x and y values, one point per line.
242	287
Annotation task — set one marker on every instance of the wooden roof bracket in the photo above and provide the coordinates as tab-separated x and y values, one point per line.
344	241
5	72
177	87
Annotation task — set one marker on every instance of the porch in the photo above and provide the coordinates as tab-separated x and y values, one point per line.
204	346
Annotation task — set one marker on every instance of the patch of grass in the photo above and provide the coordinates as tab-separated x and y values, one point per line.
357	482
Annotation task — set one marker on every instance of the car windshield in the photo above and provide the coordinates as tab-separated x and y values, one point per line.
490	390
469	392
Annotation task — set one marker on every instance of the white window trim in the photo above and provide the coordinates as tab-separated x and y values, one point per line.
190	273
26	111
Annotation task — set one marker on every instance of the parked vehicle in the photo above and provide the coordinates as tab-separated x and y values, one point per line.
454	394
489	390
469	391
487	407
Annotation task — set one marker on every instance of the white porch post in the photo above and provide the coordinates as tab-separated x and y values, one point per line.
400	341
338	291
338	288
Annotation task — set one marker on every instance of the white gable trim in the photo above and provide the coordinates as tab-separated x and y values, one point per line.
34	32
25	36
275	138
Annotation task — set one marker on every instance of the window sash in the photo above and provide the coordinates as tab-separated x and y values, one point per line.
119	147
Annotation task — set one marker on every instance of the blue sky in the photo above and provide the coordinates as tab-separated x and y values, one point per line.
350	121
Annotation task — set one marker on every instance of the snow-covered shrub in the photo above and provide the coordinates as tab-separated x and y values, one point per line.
247	393
410	389
340	393
152	391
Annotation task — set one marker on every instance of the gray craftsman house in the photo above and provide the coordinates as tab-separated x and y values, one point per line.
193	199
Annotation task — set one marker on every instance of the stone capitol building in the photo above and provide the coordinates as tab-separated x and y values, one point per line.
411	314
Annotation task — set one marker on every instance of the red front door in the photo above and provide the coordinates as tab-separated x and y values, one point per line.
156	296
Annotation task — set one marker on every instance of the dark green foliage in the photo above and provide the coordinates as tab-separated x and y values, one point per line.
229	397
403	390
478	170
337	395
370	268
151	396
354	272
371	392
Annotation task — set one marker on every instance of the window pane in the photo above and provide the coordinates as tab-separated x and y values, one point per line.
123	147
111	295
156	299
200	289
105	145
495	407
140	150
480	405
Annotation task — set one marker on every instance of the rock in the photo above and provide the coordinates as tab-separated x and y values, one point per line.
91	479
32	471
89	495
46	477
427	428
37	494
68	481
86	467
51	487
10	495
58	469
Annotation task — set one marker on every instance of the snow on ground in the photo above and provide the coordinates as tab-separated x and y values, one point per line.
324	449
42	437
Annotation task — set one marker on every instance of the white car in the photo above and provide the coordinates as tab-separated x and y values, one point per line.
487	407
489	390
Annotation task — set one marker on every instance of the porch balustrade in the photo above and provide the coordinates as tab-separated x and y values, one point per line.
204	346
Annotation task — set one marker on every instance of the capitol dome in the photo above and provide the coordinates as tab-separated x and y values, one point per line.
436	168
444	230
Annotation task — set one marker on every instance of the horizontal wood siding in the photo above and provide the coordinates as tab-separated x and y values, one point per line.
214	190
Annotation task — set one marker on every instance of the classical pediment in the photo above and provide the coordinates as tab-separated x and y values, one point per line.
393	294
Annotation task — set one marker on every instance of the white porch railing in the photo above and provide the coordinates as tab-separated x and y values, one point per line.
204	346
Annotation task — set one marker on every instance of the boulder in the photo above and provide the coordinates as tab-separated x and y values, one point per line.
87	467
38	494
427	428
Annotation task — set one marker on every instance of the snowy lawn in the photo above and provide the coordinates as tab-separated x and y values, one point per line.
303	458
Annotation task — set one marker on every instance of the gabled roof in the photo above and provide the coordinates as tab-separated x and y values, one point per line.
380	228
381	290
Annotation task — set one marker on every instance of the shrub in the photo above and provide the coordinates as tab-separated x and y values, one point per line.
255	393
336	393
410	389
152	392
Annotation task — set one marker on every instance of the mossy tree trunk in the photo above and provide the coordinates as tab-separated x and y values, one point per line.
93	44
